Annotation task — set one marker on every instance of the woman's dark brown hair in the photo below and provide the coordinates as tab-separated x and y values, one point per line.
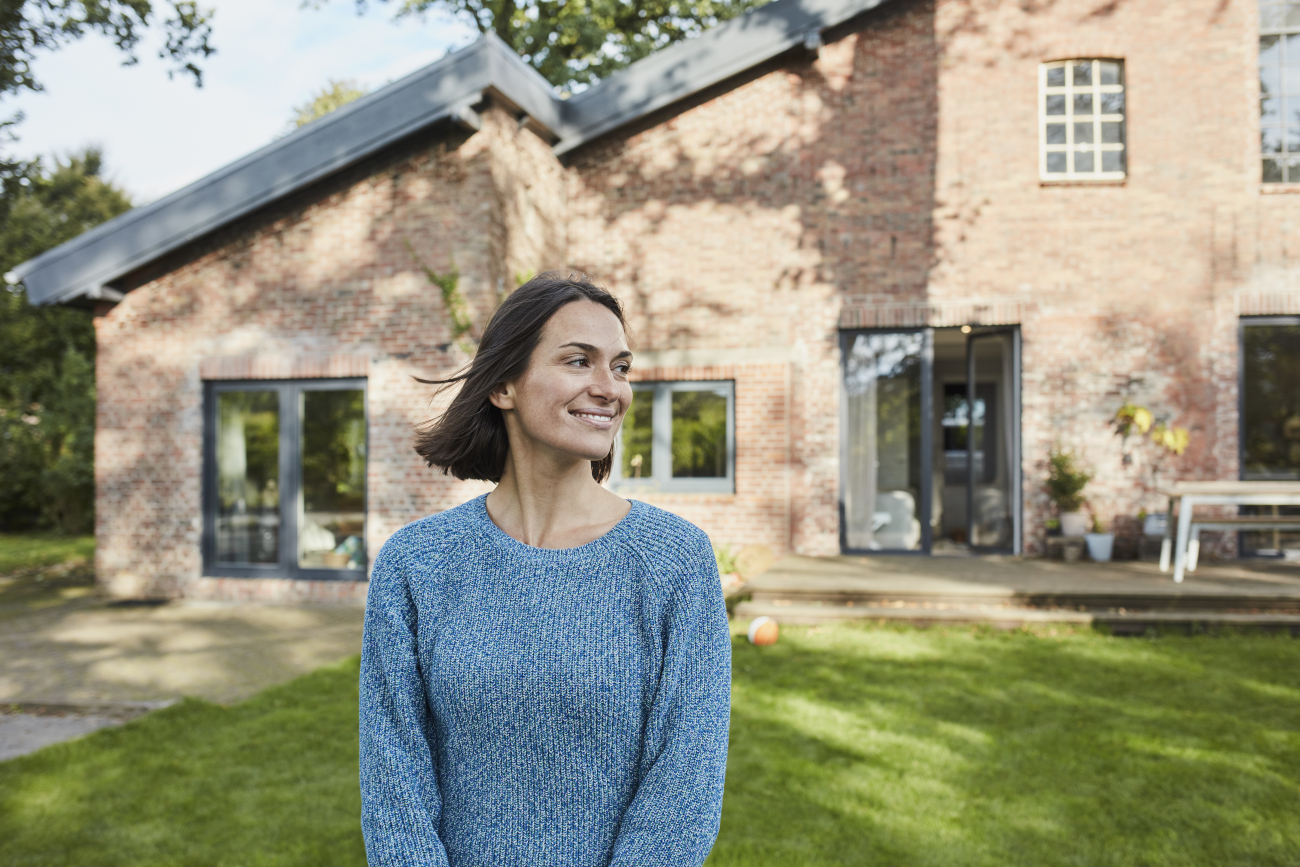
469	440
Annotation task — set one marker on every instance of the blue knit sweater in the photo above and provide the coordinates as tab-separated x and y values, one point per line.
549	708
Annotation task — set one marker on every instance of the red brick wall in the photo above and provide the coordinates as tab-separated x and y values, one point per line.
334	274
894	181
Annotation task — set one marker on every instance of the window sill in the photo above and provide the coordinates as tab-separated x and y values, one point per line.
1082	182
1278	189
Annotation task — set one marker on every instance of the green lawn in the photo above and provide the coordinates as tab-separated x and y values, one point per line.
850	746
29	550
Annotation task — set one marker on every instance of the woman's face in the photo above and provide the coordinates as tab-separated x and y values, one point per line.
573	395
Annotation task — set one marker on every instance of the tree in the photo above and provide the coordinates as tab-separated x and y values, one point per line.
47	366
577	42
330	98
29	26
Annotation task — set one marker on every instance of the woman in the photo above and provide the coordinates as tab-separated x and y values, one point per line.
545	676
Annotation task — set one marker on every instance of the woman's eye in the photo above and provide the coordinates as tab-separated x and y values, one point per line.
578	360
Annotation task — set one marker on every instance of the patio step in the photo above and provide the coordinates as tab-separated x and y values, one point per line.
1121	620
975	596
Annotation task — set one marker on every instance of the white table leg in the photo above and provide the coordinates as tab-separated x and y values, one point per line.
1166	544
1194	550
1184	531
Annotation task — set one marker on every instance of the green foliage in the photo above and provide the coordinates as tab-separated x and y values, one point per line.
726	559
47	366
329	99
1065	480
577	42
32	27
452	300
850	745
699	441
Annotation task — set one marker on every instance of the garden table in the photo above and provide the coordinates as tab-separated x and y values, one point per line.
1188	495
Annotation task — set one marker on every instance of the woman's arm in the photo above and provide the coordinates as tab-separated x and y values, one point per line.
673	818
400	799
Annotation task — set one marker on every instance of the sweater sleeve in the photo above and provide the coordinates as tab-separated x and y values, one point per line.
400	800
673	818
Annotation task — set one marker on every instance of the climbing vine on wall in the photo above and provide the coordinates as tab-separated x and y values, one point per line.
452	300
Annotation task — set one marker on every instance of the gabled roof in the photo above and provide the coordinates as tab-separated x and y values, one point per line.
446	90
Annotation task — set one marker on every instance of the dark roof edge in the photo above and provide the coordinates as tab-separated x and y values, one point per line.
443	90
689	67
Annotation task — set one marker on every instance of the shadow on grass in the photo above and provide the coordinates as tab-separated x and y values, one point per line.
855	745
269	781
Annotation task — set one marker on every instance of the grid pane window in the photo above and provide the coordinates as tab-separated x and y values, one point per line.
678	437
1279	92
1082	120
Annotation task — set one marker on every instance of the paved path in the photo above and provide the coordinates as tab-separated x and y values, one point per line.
89	652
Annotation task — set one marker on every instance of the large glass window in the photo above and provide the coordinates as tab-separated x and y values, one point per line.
678	436
1270	422
1279	91
1081	125
285	479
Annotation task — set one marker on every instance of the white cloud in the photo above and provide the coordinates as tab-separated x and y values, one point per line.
159	135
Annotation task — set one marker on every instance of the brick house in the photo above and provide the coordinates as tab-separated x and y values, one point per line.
844	232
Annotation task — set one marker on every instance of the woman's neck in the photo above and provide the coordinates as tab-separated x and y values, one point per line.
551	505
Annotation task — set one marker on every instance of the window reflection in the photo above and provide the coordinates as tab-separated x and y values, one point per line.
699	434
638	436
332	496
1271	421
248	477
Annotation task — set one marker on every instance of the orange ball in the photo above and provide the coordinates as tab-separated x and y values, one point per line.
763	630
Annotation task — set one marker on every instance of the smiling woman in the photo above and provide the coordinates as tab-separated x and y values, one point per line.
545	676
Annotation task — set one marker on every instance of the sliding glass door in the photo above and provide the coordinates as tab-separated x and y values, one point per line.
885	414
930	450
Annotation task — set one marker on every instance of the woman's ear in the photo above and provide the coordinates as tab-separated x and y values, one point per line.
502	395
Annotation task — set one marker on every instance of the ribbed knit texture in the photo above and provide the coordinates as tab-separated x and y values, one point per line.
549	708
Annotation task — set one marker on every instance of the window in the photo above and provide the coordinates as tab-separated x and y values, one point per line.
678	437
285	479
1270	418
1279	92
1081	120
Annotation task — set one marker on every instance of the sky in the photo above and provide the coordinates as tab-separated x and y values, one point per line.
272	55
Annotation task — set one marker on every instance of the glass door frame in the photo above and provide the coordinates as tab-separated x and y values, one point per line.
289	392
846	338
1016	469
924	509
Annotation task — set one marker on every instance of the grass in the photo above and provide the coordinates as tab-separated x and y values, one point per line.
850	745
42	569
21	551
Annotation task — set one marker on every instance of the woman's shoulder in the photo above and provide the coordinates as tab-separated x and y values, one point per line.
668	542
434	534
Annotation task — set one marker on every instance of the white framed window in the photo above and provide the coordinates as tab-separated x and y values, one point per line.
1279	92
678	437
1081	126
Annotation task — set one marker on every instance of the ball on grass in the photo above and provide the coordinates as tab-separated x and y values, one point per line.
763	631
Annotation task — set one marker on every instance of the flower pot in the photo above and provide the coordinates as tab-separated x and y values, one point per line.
1100	546
1073	524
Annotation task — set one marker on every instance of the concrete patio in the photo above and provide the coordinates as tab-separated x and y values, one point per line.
1012	591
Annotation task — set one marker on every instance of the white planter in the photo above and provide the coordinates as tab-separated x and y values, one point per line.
1073	524
1100	546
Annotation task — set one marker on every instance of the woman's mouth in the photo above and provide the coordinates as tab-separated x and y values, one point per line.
597	418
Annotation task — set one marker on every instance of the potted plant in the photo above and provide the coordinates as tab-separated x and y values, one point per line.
1133	421
1100	543
1065	484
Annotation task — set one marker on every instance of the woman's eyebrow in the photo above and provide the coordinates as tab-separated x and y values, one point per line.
587	347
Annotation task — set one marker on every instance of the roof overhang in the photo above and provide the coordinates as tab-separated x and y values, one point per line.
87	266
